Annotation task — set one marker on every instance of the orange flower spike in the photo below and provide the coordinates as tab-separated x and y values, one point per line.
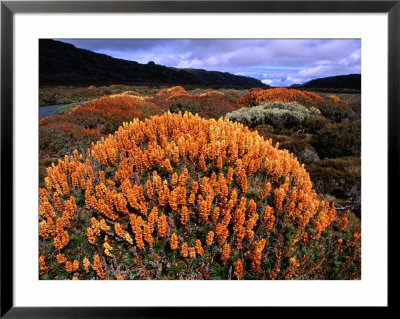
184	250
119	277
43	229
174	242
184	216
86	264
98	267
255	254
226	251
183	177
219	162
57	202
42	263
149	189
193	192
192	252
195	188
229	176
268	219
147	234
76	155
173	200
204	185
162	226
103	225
203	211
139	238
69	266
202	163
152	219
210	238
61	259
238	270
119	231
250	225
82	182
50	226
167	166
343	221
267	188
279	196
215	214
241	233
90	236
174	179
251	208
102	177
199	248
74	180
75	265
133	222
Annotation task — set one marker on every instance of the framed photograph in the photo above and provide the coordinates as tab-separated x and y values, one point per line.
161	156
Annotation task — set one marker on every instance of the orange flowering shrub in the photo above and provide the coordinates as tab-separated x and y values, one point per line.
190	198
89	121
308	99
212	104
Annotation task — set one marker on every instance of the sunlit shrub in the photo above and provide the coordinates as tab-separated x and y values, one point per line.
93	119
334	98
182	197
209	104
307	99
277	114
133	93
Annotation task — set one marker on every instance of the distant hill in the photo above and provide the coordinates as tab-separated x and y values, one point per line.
351	81
63	63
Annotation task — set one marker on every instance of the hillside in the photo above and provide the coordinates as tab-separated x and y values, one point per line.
62	63
351	81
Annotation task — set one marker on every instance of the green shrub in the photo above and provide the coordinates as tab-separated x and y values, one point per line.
313	123
338	140
334	112
277	114
185	106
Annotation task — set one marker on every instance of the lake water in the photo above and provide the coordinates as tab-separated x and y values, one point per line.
48	110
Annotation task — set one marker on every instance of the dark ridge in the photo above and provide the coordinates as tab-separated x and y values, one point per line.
62	63
350	81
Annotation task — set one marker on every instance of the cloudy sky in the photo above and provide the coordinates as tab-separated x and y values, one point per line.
276	62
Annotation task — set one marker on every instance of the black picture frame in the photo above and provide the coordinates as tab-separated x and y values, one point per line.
9	8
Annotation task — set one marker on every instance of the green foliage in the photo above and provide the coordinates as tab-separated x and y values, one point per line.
313	123
65	109
277	114
339	140
339	177
184	105
334	112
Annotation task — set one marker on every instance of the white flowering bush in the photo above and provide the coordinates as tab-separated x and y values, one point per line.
277	114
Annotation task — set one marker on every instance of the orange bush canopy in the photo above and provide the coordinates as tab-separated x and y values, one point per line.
91	120
177	188
258	96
